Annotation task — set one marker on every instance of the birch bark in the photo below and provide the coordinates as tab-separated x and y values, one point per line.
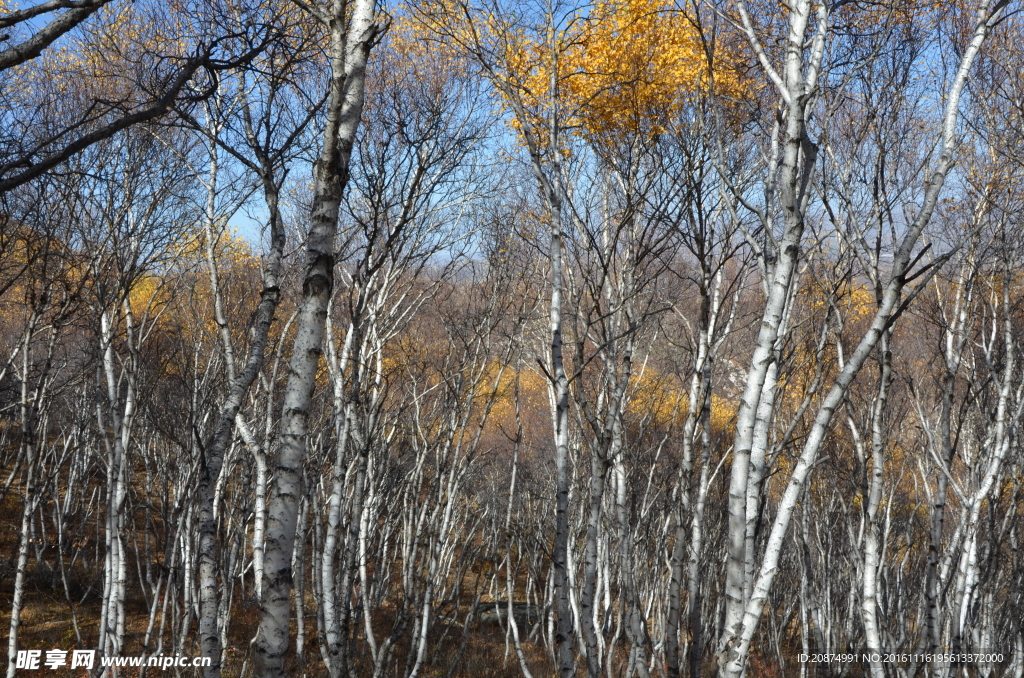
798	155
352	33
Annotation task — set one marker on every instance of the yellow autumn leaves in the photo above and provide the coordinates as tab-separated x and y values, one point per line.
617	70
637	65
630	67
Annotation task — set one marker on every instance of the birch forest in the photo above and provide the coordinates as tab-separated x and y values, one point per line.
488	339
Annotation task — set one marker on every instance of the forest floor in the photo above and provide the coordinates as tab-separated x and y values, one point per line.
47	624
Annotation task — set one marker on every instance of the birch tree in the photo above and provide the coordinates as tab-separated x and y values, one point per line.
352	33
796	85
259	124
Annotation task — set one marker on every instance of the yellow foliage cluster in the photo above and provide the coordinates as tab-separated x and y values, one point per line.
637	63
181	305
668	404
409	48
652	394
149	295
854	300
630	68
618	70
228	247
532	393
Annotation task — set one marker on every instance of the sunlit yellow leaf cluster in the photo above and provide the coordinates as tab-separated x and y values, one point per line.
630	68
619	70
637	64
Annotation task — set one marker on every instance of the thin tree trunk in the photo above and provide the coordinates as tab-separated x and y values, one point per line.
351	37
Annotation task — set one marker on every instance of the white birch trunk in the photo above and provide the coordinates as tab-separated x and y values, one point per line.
352	35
